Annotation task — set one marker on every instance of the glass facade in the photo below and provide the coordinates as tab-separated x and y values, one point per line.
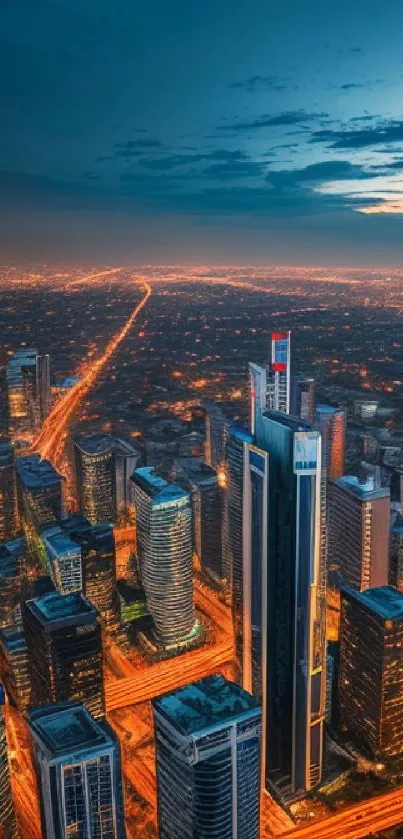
13	557
216	431
281	370
331	423
8	508
95	477
303	397
208	762
236	453
164	545
78	763
39	491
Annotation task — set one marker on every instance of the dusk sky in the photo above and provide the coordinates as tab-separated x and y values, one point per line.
201	130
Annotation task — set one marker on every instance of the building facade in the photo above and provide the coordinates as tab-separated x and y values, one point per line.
207	755
331	423
13	557
8	825
358	528
280	399
303	390
14	667
39	492
63	635
95	477
216	431
79	773
371	668
8	505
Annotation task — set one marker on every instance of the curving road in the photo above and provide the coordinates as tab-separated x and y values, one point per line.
49	442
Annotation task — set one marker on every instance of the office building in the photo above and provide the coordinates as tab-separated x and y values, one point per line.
127	458
207	754
13	557
371	668
303	397
21	396
63	635
39	492
164	544
14	667
295	670
396	550
258	383
358	526
43	394
207	505
64	560
95	475
280	386
8	825
79	773
236	457
216	432
331	423
8	506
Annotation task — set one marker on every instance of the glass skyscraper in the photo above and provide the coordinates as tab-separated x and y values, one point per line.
8	507
207	754
295	667
281	371
216	431
79	774
303	397
95	476
331	423
164	546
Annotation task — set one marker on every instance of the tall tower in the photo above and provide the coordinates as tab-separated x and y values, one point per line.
216	431
281	371
39	491
8	508
207	753
359	525
21	396
63	634
258	392
43	386
95	474
303	397
164	541
79	773
295	671
331	423
8	826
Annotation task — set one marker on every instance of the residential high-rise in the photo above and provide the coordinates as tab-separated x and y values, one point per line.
164	543
236	457
371	668
216	432
207	504
63	635
95	474
281	371
79	773
296	661
358	525
331	423
303	397
8	825
13	555
39	491
14	667
207	755
8	507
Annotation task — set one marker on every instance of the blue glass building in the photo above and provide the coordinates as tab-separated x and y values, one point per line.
295	692
78	767
207	754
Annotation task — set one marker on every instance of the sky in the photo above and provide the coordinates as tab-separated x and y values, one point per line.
243	131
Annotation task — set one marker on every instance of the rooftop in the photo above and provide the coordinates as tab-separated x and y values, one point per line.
59	544
156	487
195	470
67	729
35	473
240	433
385	601
209	702
95	444
54	607
12	638
328	409
288	421
366	492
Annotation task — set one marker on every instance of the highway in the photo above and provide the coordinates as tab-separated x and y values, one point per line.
50	441
357	822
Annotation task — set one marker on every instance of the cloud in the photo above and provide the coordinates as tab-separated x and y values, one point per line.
267	121
232	170
327	170
171	161
253	84
141	143
386	132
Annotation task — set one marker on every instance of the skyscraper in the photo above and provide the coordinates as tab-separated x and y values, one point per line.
127	458
21	396
39	491
8	826
331	423
396	550
281	371
95	474
8	507
303	397
295	671
216	431
63	635
258	392
79	773
64	560
359	523
207	504
371	668
207	754
164	542
14	667
13	555
43	398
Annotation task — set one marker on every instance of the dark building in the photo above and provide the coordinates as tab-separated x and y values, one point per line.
79	773
358	532
371	668
95	476
63	634
207	506
43	398
207	755
39	492
217	426
8	506
14	666
8	825
303	390
396	551
12	565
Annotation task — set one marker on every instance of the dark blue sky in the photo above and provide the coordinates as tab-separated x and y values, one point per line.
201	130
